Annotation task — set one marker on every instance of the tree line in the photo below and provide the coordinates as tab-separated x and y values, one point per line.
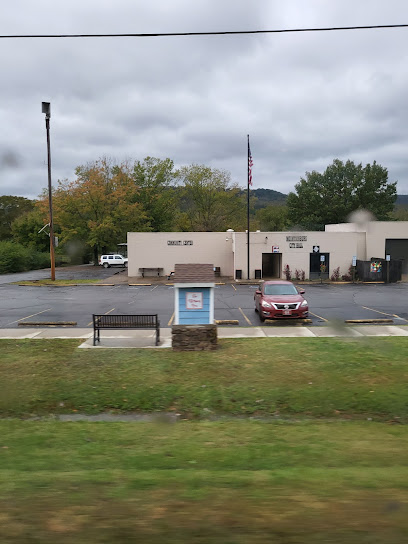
105	200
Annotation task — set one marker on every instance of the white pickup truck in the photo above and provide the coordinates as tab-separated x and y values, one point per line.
113	260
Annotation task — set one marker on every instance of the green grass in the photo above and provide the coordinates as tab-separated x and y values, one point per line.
203	482
326	377
287	480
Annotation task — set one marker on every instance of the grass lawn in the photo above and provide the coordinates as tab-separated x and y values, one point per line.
204	482
323	461
312	377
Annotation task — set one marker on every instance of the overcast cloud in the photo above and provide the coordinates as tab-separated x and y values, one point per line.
304	99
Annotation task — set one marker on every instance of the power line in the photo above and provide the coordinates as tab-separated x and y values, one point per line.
216	33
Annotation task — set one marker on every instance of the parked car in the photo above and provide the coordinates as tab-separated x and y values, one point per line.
280	299
113	260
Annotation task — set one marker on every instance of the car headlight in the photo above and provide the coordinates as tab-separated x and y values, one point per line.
304	303
266	304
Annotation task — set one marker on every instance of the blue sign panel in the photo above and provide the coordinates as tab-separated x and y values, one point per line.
194	306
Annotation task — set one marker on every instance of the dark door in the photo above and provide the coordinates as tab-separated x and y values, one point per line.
271	265
319	268
398	249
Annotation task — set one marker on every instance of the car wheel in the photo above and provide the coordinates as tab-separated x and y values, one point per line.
256	309
106	265
261	317
125	265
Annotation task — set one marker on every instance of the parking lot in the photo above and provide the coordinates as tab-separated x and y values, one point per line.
327	303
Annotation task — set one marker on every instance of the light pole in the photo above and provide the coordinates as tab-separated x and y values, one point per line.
46	108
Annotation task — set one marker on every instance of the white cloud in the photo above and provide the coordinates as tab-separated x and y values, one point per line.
304	98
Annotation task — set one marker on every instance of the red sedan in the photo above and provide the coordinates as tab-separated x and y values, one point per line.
280	299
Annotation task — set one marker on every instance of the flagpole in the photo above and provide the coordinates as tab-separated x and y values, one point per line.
248	181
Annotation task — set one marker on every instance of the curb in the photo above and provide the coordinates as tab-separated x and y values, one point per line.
369	321
48	324
287	322
226	322
66	284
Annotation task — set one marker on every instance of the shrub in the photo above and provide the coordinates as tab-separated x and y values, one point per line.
336	274
300	275
16	258
349	275
288	273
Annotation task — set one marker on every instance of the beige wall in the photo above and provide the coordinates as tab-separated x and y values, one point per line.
342	246
228	250
379	231
376	234
151	249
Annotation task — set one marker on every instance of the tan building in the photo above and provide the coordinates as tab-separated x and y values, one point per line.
270	252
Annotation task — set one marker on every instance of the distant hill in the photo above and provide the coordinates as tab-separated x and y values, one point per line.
402	200
266	197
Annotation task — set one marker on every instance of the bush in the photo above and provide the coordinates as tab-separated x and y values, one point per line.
300	275
349	275
288	273
336	274
17	258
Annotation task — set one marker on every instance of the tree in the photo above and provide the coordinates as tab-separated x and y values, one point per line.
154	177
26	229
330	197
12	207
99	207
273	218
209	201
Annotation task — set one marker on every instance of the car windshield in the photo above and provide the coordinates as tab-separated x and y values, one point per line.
280	289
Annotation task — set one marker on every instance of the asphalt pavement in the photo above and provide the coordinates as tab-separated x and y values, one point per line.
331	306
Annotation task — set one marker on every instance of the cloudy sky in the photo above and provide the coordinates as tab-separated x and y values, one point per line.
304	99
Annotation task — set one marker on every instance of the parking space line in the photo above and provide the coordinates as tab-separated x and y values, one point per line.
233	286
171	320
245	317
378	311
155	287
319	316
106	313
28	317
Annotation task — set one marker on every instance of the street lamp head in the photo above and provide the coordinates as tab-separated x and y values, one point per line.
46	108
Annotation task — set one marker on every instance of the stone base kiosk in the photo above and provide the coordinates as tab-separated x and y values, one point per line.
194	337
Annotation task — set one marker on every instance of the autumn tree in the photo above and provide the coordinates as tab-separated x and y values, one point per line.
330	197
209	201
99	207
154	178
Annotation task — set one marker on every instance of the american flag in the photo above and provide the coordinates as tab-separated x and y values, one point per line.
250	164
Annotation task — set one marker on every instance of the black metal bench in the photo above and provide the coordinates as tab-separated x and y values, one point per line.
150	269
103	322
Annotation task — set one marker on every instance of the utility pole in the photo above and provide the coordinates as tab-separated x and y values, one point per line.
46	108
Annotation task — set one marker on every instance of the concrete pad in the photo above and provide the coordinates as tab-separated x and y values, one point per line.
65	333
127	343
381	330
345	332
133	333
241	332
288	332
